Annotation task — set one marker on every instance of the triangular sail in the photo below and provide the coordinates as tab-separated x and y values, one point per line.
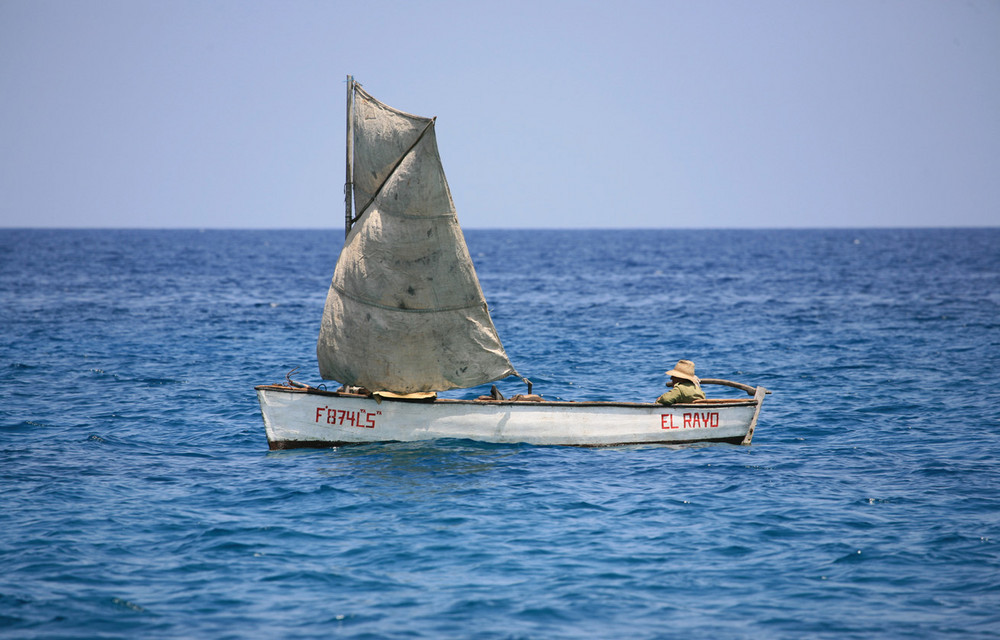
405	311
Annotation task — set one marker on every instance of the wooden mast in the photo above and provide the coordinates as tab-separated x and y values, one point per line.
349	184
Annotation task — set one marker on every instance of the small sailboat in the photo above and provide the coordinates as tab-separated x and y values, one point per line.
405	318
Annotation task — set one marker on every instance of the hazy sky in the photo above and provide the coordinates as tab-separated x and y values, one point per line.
739	113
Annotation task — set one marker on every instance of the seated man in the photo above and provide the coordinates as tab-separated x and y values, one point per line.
686	386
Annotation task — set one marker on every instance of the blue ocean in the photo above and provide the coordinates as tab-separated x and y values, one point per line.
140	500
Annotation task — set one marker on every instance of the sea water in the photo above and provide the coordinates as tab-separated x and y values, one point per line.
139	498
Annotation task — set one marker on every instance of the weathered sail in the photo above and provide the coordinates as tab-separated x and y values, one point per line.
405	311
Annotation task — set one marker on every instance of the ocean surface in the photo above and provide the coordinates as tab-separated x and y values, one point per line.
138	498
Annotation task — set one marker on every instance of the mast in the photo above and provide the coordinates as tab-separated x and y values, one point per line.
349	184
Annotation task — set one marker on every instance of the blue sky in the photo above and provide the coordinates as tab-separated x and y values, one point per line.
551	114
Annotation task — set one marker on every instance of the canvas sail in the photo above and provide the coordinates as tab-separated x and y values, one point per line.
405	311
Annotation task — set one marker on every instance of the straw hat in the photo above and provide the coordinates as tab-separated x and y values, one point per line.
684	369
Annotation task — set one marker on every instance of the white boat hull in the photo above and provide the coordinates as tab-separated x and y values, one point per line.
307	417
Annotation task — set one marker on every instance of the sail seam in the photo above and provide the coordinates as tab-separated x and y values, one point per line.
400	214
370	303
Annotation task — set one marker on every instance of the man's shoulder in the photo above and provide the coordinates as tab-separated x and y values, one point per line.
691	391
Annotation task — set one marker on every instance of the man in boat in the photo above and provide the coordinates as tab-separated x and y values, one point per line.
686	386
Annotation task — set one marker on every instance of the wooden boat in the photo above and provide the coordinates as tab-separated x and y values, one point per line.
406	318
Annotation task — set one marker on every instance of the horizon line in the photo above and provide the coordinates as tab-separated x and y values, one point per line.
326	229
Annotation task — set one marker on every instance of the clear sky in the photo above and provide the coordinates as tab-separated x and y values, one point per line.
556	114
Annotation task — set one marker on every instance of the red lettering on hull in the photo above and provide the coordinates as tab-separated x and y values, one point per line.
361	418
691	420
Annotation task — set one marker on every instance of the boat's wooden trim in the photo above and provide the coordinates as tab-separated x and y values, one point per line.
759	399
505	402
736	385
322	444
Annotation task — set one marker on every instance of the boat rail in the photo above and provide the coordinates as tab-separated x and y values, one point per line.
306	389
729	383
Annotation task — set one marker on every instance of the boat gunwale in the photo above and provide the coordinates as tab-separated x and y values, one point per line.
510	402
